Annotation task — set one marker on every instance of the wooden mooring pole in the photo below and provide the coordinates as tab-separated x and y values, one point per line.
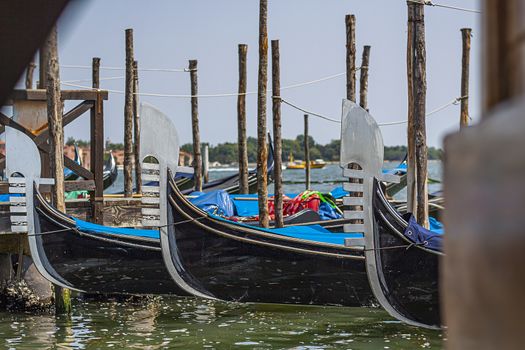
363	81
136	129
97	147
350	58
95	73
56	143
262	150
466	34
128	117
277	141
241	121
411	145
29	74
306	153
197	158
419	94
206	164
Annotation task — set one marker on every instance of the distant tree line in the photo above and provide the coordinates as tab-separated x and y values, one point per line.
226	153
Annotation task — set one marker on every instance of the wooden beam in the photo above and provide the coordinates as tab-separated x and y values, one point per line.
128	116
67	118
197	158
262	150
79	185
241	121
40	95
277	139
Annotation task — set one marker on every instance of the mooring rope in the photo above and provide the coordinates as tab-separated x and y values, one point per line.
231	94
90	79
455	101
430	3
165	70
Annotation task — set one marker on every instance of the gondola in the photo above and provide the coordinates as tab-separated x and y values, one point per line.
110	172
235	262
79	255
229	183
98	259
70	175
406	260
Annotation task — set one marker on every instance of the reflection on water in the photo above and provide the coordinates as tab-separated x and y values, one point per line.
187	323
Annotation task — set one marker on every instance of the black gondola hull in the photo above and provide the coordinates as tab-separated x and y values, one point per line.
99	263
234	263
408	274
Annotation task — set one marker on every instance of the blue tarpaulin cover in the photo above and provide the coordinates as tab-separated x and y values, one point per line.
421	236
215	202
94	228
314	233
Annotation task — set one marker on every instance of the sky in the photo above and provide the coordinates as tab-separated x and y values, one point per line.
312	46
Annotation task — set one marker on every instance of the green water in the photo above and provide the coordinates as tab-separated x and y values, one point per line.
198	324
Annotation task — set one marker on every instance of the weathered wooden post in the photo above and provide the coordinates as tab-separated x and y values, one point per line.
465	63
306	153
56	146
128	117
197	159
29	74
350	58
241	121
277	141
350	83
95	73
419	95
97	147
363	81
136	129
206	164
262	150
411	145
483	268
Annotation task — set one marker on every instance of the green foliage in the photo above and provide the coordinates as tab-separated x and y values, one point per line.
226	153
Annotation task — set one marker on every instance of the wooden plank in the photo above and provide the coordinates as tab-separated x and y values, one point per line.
78	169
40	95
67	118
80	185
353	173
353	187
353	201
353	215
354	228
